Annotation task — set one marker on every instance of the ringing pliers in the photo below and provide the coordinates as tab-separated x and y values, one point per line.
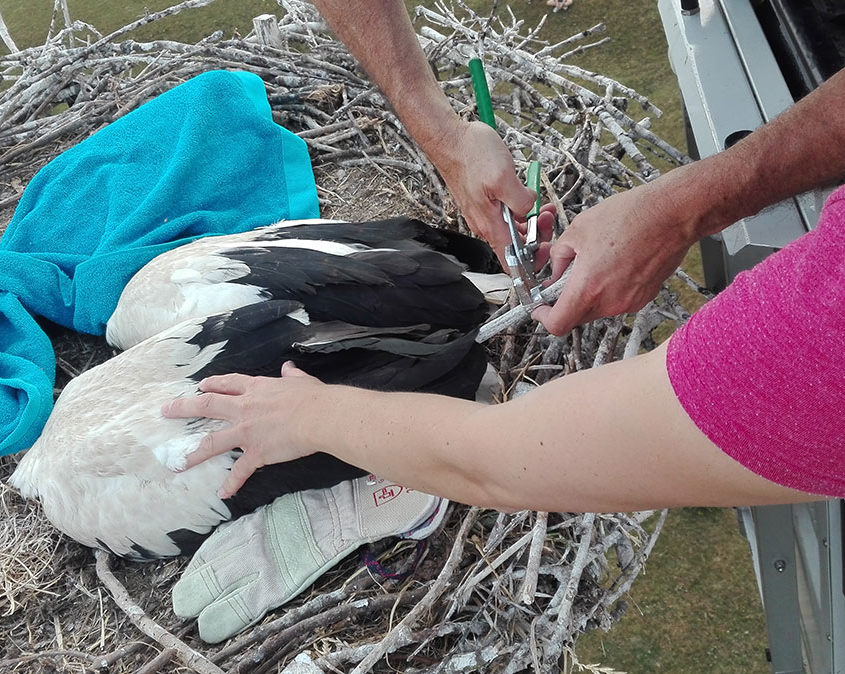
519	255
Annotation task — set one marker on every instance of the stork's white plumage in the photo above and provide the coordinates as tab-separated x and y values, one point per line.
103	464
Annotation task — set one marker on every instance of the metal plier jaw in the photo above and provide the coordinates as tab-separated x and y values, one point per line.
519	255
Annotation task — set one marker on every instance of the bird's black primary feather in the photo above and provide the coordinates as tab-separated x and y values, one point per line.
398	232
378	288
260	337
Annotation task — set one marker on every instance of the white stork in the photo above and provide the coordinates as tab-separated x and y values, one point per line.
378	312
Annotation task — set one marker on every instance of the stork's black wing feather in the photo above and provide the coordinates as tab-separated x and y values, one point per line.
398	232
269	482
258	338
378	288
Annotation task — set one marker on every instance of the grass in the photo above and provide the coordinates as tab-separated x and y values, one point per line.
28	20
696	609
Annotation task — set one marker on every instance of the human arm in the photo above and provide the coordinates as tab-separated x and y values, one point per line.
613	438
625	246
473	160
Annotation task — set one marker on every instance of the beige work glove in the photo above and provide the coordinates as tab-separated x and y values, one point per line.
262	560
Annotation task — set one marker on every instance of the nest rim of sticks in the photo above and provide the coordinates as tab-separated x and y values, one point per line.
493	592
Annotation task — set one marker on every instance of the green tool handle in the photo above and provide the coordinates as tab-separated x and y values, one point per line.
482	93
533	182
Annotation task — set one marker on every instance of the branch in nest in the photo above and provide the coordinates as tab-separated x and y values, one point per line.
143	622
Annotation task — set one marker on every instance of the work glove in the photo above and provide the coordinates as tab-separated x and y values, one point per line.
262	560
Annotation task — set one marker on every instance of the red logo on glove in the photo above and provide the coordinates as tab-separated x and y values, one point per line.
386	494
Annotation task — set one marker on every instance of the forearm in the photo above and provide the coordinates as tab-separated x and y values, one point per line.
798	151
380	35
470	156
609	439
544	451
612	438
431	443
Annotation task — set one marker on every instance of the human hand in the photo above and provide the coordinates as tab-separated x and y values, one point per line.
262	414
479	172
266	558
621	250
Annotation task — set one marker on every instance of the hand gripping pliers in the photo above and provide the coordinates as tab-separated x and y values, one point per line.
519	255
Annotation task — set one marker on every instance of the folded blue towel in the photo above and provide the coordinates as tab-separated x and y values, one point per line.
203	158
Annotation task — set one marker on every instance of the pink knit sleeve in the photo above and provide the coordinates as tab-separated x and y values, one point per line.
761	368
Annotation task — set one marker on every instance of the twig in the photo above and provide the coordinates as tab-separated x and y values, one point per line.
6	37
400	633
532	567
276	646
519	314
144	623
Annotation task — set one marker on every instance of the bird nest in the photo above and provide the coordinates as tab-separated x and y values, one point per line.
491	592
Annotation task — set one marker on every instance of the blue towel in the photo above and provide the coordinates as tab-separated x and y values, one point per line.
203	158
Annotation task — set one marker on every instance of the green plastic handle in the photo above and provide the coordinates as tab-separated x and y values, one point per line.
533	182
482	93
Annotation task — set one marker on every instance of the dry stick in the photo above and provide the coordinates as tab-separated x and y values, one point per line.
67	31
692	283
157	662
504	525
472	661
400	633
576	570
589	32
547	73
519	314
631	149
53	17
143	622
149	18
641	132
105	661
278	645
608	341
642	555
530	353
551	193
7	664
49	98
356	653
6	37
532	568
426	165
462	594
641	327
552	357
318	605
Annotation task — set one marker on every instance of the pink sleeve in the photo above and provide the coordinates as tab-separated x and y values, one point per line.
761	368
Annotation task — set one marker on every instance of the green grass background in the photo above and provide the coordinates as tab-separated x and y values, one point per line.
695	610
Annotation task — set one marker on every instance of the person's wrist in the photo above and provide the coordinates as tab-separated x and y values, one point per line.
690	200
441	136
312	423
713	193
323	419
